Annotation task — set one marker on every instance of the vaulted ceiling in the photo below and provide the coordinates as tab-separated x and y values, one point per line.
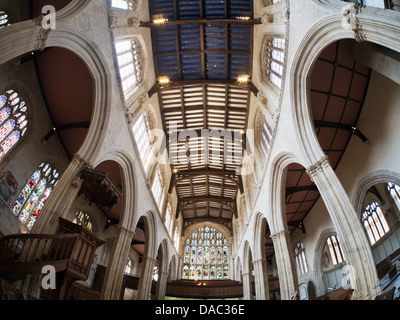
203	48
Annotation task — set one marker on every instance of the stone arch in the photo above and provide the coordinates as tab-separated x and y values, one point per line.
368	181
173	267
152	244
22	42
322	34
260	225
318	259
128	184
277	182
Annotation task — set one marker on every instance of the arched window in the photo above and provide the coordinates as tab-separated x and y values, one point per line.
129	64
301	261
374	222
272	60
394	191
265	131
155	273
335	250
176	237
13	120
34	195
4	19
157	189
206	255
168	219
83	219
129	266
123	4
142	133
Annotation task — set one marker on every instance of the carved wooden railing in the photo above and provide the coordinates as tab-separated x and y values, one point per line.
29	253
70	252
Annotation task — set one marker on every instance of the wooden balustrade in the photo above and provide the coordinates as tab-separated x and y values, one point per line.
70	251
29	253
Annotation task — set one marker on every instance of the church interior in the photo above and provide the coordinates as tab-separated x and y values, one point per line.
199	149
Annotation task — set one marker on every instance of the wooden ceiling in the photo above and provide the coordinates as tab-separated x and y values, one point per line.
202	49
338	89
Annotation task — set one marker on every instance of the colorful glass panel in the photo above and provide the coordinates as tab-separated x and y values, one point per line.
375	222
13	120
206	255
34	195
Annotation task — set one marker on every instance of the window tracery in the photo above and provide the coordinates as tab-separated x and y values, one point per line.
206	255
273	56
130	65
374	222
35	194
13	120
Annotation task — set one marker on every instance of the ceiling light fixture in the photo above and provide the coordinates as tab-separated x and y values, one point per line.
160	20
163	80
243	78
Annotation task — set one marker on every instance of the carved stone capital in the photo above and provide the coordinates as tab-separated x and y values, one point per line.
317	167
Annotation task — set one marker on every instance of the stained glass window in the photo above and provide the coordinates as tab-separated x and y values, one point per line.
34	195
130	65
206	255
13	120
273	58
374	222
83	219
4	19
335	250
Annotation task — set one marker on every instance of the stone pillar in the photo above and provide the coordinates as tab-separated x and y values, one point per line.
161	285
357	251
247	294
146	278
232	268
61	198
180	268
261	279
115	270
285	263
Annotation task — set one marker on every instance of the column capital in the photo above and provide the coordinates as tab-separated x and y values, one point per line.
125	231
317	167
280	234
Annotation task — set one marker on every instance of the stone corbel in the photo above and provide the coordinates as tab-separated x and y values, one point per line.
267	18
122	20
350	20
